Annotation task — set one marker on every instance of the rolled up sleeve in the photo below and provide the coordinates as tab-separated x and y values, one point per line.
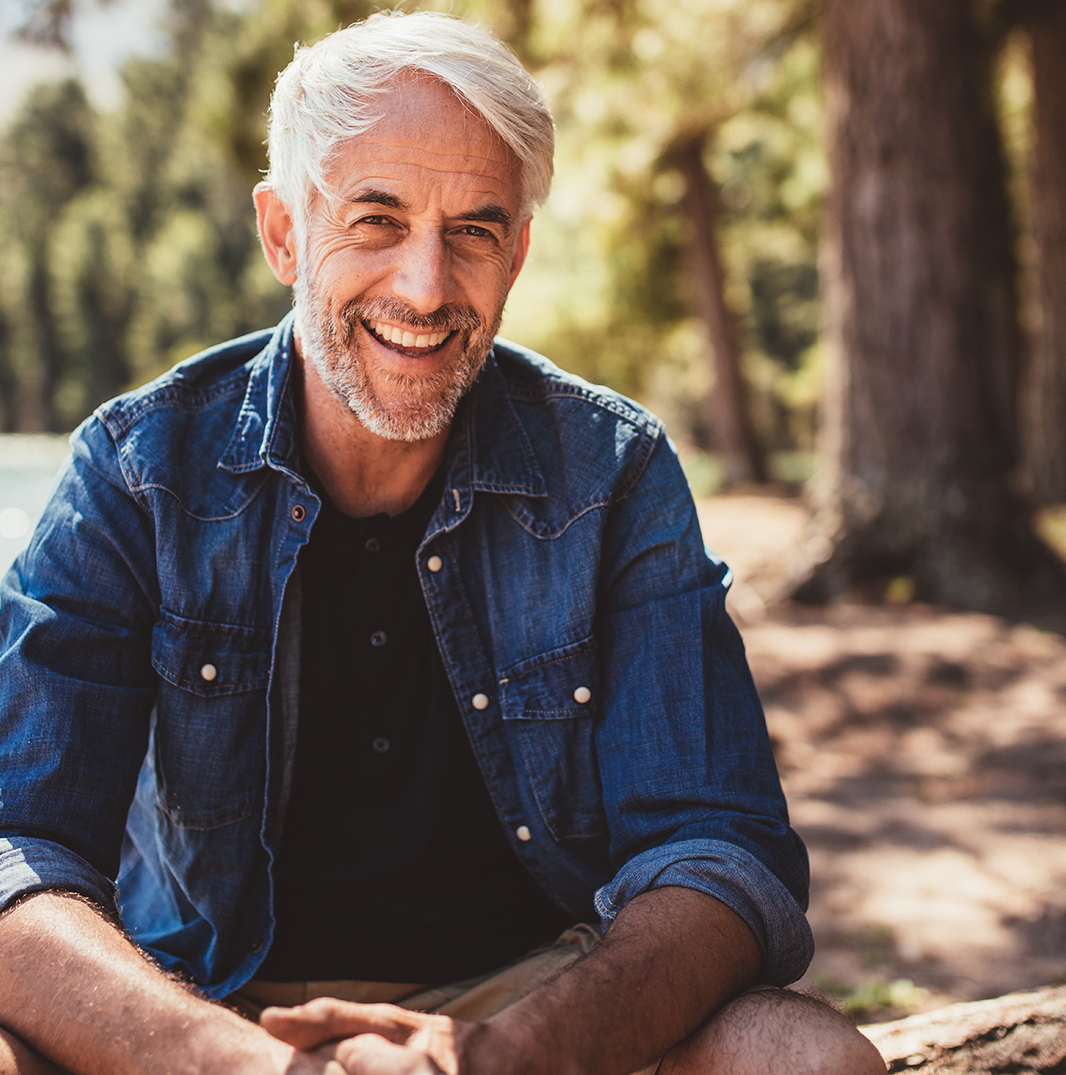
29	864
737	878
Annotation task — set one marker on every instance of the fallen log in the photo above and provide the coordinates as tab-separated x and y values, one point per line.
1017	1034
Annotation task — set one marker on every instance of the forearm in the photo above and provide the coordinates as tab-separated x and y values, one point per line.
672	957
77	991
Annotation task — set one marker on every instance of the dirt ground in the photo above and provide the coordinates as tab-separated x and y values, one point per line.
923	753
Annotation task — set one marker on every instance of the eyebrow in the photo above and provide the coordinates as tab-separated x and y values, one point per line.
486	214
370	196
489	214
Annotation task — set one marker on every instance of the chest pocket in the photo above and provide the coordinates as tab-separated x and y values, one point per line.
210	727
550	704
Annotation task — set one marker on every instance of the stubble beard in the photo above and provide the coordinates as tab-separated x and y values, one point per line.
422	406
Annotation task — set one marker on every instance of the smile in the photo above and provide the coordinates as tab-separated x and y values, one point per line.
404	339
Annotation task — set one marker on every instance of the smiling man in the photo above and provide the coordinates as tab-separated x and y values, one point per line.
369	676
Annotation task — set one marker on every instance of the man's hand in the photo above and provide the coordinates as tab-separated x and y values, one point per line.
372	1039
672	957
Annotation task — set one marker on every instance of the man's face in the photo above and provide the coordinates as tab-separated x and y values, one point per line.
401	280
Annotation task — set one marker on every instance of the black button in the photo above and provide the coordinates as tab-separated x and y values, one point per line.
298	512
378	639
381	744
257	946
372	545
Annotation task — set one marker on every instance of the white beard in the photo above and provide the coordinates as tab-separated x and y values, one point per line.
424	406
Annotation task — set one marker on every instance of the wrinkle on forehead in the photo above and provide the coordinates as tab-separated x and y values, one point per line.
422	150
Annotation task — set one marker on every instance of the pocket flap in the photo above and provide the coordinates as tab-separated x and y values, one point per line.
210	659
560	684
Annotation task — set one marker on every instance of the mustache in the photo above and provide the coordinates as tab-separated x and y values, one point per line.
450	317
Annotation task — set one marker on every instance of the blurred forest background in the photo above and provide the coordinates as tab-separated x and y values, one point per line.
791	227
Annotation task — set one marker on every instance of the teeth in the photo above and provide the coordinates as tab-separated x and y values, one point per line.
402	338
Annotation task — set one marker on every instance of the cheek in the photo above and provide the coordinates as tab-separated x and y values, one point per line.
486	285
343	268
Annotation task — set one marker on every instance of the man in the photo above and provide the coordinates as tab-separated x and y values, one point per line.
479	585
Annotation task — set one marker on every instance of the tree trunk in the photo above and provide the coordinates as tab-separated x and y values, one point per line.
1044	395
918	434
725	407
1019	1034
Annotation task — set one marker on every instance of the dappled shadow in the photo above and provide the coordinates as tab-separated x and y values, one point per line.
924	756
1032	769
923	753
1042	931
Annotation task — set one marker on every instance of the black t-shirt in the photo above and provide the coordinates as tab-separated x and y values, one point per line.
393	864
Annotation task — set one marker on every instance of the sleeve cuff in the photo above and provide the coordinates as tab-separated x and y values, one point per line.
737	878
29	864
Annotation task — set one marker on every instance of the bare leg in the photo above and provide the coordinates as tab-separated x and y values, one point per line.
775	1032
17	1058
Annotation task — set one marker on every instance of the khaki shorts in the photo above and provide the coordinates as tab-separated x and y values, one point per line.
474	998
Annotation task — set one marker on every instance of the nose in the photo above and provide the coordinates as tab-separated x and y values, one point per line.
422	278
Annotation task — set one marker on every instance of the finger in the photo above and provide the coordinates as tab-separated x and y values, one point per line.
326	1019
371	1054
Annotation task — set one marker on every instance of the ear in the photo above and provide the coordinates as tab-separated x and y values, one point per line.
276	233
518	259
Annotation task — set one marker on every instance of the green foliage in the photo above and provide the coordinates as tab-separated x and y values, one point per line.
609	261
46	159
877	998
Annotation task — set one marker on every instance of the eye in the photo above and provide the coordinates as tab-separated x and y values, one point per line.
375	231
476	233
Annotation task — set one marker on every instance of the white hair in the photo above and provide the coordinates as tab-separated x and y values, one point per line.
326	96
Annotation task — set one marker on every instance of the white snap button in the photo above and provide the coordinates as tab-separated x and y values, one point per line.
582	695
208	672
523	833
480	701
434	563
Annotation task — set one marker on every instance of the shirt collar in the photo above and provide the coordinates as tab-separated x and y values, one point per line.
489	450
265	430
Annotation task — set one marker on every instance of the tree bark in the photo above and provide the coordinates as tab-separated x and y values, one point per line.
919	438
725	408
1044	394
1019	1034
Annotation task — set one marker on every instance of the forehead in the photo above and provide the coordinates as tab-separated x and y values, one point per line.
429	143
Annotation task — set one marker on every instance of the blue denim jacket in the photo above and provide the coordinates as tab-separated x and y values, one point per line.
150	652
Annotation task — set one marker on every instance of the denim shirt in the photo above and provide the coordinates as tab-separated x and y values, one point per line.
150	654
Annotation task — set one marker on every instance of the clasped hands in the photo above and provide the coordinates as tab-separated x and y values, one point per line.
337	1037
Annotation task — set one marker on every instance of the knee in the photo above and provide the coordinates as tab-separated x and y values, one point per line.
775	1032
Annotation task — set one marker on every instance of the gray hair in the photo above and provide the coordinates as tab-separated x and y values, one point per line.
326	96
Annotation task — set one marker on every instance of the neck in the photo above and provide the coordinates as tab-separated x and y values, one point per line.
363	473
